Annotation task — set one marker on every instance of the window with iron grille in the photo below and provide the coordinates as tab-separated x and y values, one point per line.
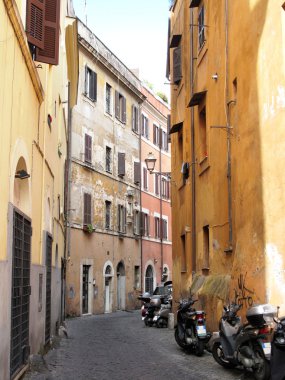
145	182
90	84
144	127
88	149
108	159
120	107
201	26
108	99
135	119
156	184
157	227
87	209
164	229
107	215
122	219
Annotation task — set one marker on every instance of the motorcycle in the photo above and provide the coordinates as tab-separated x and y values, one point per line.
248	345
277	362
161	318
190	332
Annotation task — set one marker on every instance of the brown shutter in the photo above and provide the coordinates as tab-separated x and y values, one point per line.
154	134
86	81
146	127
35	22
137	172
49	54
93	89
124	118
88	148
133	118
87	209
168	127
117	105
121	164
177	65
160	138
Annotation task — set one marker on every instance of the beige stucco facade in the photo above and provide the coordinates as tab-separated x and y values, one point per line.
228	215
104	265
29	92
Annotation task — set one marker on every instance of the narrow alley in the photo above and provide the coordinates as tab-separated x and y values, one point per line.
118	346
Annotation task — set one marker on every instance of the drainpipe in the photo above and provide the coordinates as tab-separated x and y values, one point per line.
193	149
229	164
140	197
160	207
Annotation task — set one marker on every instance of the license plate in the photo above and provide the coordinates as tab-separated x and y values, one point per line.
266	348
201	330
155	318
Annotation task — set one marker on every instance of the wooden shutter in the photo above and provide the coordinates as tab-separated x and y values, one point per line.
124	117
145	178
168	127
121	164
93	86
146	128
86	81
119	217
35	22
49	54
88	148
177	65
154	134
87	209
133	118
160	138
137	172
117	105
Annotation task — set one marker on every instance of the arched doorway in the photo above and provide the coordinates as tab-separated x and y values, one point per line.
121	286
108	287
149	279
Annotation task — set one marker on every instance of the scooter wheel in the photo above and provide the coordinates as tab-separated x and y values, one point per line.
199	348
146	321
218	355
180	342
262	371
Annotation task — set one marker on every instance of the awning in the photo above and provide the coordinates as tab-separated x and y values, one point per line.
176	127
175	40
196	98
195	3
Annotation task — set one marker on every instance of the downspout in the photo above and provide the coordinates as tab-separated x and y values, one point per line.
229	164
160	207
193	149
140	197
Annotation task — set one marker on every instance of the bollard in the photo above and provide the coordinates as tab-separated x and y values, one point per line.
171	321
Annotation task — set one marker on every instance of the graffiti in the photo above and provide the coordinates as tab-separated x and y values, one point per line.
243	295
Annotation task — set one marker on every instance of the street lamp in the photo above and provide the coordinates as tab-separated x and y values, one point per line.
150	164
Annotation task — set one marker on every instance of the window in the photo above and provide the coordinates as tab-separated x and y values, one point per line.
144	127
136	222
156	135
156	227
137	277
145	182
108	159
107	215
165	188
88	149
42	27
87	209
108	99
137	173
90	84
164	229
177	69
201	26
156	184
121	164
135	119
183	254
120	107
122	219
145	224
203	134
206	244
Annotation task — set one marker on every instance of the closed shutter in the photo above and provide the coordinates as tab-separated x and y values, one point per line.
87	209
137	172
35	22
49	54
168	127
177	65
133	118
146	128
124	117
124	218
117	105
93	86
121	164
119	217
160	138
86	81
145	178
88	148
154	134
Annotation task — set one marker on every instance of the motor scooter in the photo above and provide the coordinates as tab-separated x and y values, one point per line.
247	345
191	333
161	318
277	360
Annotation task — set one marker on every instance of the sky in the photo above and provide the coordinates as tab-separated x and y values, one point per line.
135	31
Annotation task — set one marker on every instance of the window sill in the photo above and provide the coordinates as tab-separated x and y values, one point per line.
89	100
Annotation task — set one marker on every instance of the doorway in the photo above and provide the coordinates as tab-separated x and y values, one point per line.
48	287
121	286
108	287
149	279
85	289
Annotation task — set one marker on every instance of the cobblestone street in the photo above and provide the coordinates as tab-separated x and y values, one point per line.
119	346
